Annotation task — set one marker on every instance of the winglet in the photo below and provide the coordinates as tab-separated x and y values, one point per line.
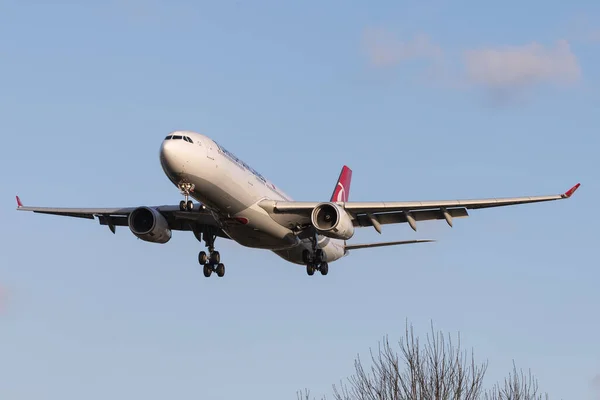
570	192
19	204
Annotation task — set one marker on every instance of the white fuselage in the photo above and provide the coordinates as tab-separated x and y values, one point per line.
230	190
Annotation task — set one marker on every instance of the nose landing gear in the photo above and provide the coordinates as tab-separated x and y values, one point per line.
186	189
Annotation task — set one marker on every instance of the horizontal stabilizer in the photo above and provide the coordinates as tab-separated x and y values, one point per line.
381	244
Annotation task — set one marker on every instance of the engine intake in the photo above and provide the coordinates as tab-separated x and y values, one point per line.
149	225
331	220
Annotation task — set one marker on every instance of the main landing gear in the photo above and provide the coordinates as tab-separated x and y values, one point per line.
186	189
316	262
312	267
211	261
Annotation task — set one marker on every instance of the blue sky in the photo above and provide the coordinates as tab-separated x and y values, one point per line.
430	101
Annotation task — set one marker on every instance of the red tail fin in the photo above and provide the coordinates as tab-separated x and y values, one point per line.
342	189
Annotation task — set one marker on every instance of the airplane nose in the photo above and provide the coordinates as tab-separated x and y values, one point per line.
169	159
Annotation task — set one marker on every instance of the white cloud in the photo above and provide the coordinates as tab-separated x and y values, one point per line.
519	66
504	71
384	50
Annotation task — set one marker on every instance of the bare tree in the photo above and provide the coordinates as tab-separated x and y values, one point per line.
305	395
437	370
516	386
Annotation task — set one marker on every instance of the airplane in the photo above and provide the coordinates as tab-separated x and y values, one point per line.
236	202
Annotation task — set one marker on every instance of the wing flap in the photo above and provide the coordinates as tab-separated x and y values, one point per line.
399	217
65	214
112	220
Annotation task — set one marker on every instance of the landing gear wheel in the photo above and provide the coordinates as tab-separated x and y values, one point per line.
215	257
305	256
182	205
318	255
212	262
310	269
324	268
190	205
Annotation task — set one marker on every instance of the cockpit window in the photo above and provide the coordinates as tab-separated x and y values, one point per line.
179	137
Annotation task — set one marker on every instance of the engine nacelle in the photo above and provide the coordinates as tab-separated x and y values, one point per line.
148	224
331	220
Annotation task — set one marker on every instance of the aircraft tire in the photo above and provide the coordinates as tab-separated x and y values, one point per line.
220	270
319	255
305	256
324	268
207	270
215	257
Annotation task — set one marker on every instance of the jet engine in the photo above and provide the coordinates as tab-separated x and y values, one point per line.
331	220
148	224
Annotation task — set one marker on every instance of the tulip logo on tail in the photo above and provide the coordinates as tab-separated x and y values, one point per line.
341	193
342	188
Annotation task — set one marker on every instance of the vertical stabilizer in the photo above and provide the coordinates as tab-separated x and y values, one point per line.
342	188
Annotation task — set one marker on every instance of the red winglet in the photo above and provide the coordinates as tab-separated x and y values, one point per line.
19	204
570	192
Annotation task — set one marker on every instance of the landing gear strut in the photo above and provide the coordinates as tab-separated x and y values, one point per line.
186	189
211	261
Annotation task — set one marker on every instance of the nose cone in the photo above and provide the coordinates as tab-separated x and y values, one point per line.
170	159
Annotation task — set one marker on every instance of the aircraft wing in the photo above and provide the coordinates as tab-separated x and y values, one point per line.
376	214
196	220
